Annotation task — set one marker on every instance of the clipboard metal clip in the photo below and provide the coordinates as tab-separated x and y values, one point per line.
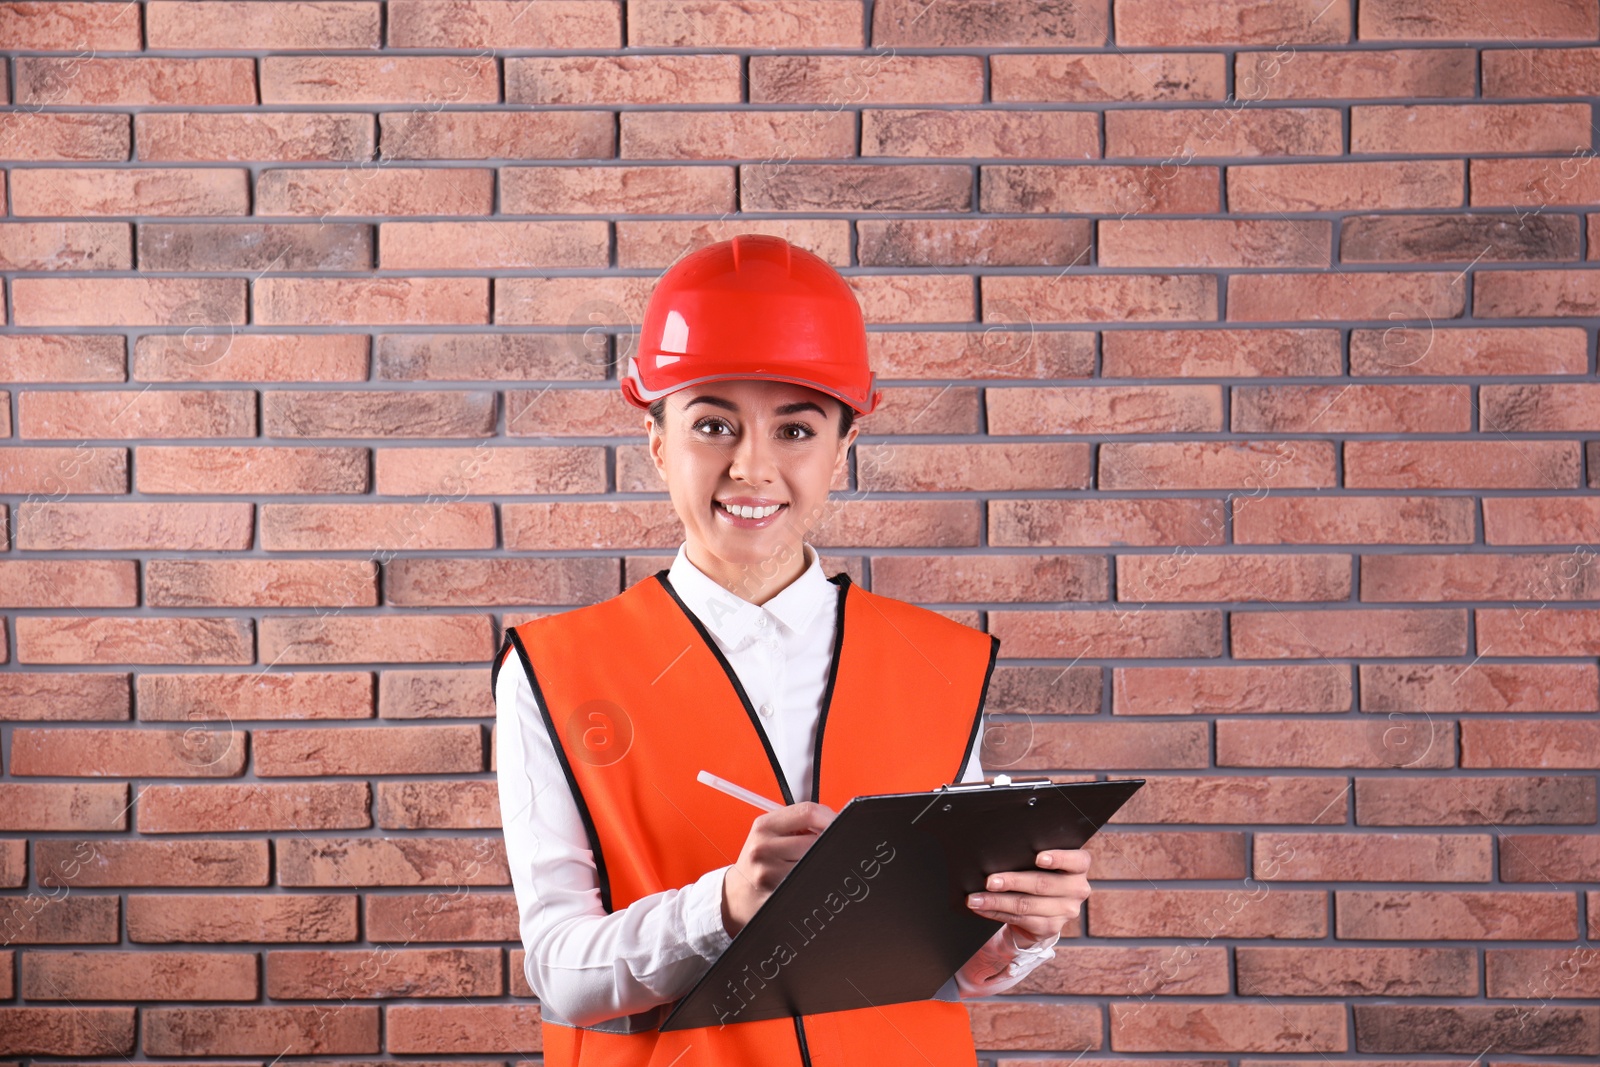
999	780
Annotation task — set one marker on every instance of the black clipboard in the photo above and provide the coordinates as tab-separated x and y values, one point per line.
875	911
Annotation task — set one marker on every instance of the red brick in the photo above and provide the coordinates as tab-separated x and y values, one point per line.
1234	353
1549	858
1153	77
1153	1027
1435	915
459	1028
1480	351
1208	913
127	753
429	471
515	357
1101	297
278	695
1198	578
1536	292
368	750
1234	690
1389	972
955	467
649	79
434	805
1469	128
1542	744
1503	576
989	24
1467	19
244	26
1133	971
1468	1029
1539	72
416	526
984	242
1211	465
256	247
1355	75
836	81
1465	801
1462	238
436	694
78	1030
283	136
167	81
1276	519
378	413
140	413
392	861
111	862
496	245
191	302
729	135
122	640
659	244
1237	798
1093	410
133	191
1519	631
261	583
487	24
408	917
129	526
1022	354
250	918
1024	187
65	136
1154	23
1019	1024
433	81
761	24
244	469
348	1029
70	27
1064	522
64	696
664	189
62	358
1540	183
375	638
1480	687
1229	130
70	806
251	357
990	134
254	806
1214	243
1371	857
381	190
417	972
78	583
1351	409
1544	520
1101	634
1460	464
147	975
1541	973
66	246
1352	186
1370	632
1324	743
484	134
341	302
1347	295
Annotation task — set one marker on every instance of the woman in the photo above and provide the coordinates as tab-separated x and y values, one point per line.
631	877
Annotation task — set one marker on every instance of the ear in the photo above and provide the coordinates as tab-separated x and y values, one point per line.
657	446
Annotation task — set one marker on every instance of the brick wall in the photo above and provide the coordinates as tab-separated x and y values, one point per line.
1240	376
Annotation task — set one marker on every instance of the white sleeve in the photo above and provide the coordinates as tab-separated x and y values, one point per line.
586	965
1002	962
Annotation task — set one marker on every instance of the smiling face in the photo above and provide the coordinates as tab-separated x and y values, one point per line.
748	464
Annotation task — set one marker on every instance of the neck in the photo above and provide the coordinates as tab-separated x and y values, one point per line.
756	582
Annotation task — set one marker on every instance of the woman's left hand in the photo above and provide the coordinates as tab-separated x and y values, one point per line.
1039	902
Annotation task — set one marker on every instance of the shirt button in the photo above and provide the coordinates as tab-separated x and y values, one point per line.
766	710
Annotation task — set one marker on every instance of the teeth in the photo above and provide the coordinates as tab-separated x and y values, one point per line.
748	512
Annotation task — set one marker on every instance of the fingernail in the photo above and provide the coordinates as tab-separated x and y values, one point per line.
994	881
976	900
1046	860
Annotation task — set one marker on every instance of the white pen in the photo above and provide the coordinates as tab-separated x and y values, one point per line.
737	791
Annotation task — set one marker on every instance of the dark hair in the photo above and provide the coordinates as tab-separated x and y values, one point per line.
847	415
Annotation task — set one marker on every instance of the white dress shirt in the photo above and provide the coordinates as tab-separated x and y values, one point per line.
587	965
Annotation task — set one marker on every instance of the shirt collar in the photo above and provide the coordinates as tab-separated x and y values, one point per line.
732	619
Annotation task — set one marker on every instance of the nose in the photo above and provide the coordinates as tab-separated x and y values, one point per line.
752	460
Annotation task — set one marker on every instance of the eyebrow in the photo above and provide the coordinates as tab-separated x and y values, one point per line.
784	409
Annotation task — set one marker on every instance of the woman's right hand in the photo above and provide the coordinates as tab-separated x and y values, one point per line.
776	842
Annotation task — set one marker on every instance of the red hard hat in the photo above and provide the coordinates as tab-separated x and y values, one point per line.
753	306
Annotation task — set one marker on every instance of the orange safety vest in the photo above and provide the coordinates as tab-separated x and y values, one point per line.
638	699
